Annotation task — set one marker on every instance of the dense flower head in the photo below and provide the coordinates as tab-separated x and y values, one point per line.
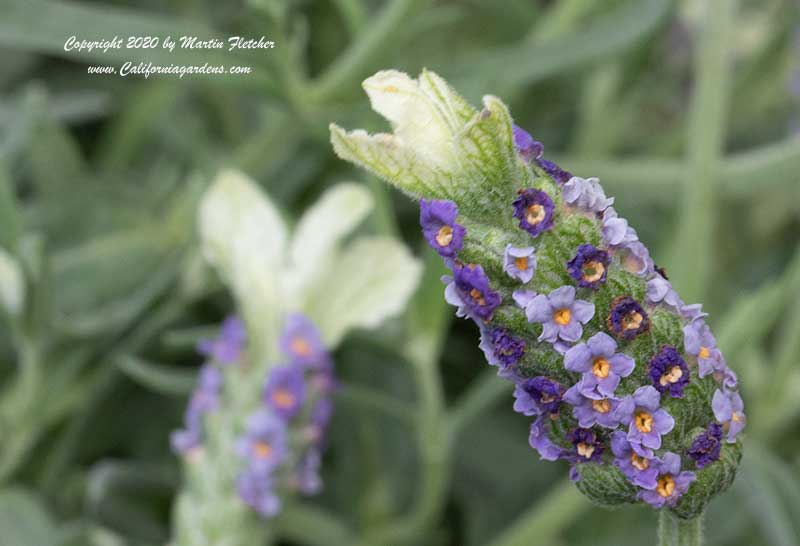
604	354
589	266
438	220
668	372
534	209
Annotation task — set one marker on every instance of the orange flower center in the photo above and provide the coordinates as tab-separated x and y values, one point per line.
535	214
592	271
601	367
521	263
262	450
562	316
643	421
477	296
601	406
632	320
300	346
666	485
547	398
445	236
639	463
283	398
705	352
736	417
672	376
585	450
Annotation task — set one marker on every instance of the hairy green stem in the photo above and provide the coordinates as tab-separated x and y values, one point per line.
673	531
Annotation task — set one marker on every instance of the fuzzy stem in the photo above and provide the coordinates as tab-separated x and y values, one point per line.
673	531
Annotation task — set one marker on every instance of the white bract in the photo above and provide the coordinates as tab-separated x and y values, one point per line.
339	286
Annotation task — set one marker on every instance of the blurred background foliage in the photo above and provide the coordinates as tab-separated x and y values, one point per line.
688	111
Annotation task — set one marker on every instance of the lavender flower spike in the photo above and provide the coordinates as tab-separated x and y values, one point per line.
604	354
560	314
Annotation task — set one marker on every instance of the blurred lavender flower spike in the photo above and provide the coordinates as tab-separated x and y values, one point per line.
615	370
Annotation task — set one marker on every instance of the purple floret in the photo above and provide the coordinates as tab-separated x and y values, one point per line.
668	372
706	447
438	221
601	366
700	342
469	290
641	470
560	314
729	410
302	343
538	396
671	484
592	411
627	318
501	348
554	171
257	491
526	146
539	439
519	263
589	267
285	391
534	209
587	447
586	194
646	421
264	444
227	347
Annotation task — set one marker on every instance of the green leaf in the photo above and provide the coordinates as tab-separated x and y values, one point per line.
159	378
23	520
370	281
620	29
